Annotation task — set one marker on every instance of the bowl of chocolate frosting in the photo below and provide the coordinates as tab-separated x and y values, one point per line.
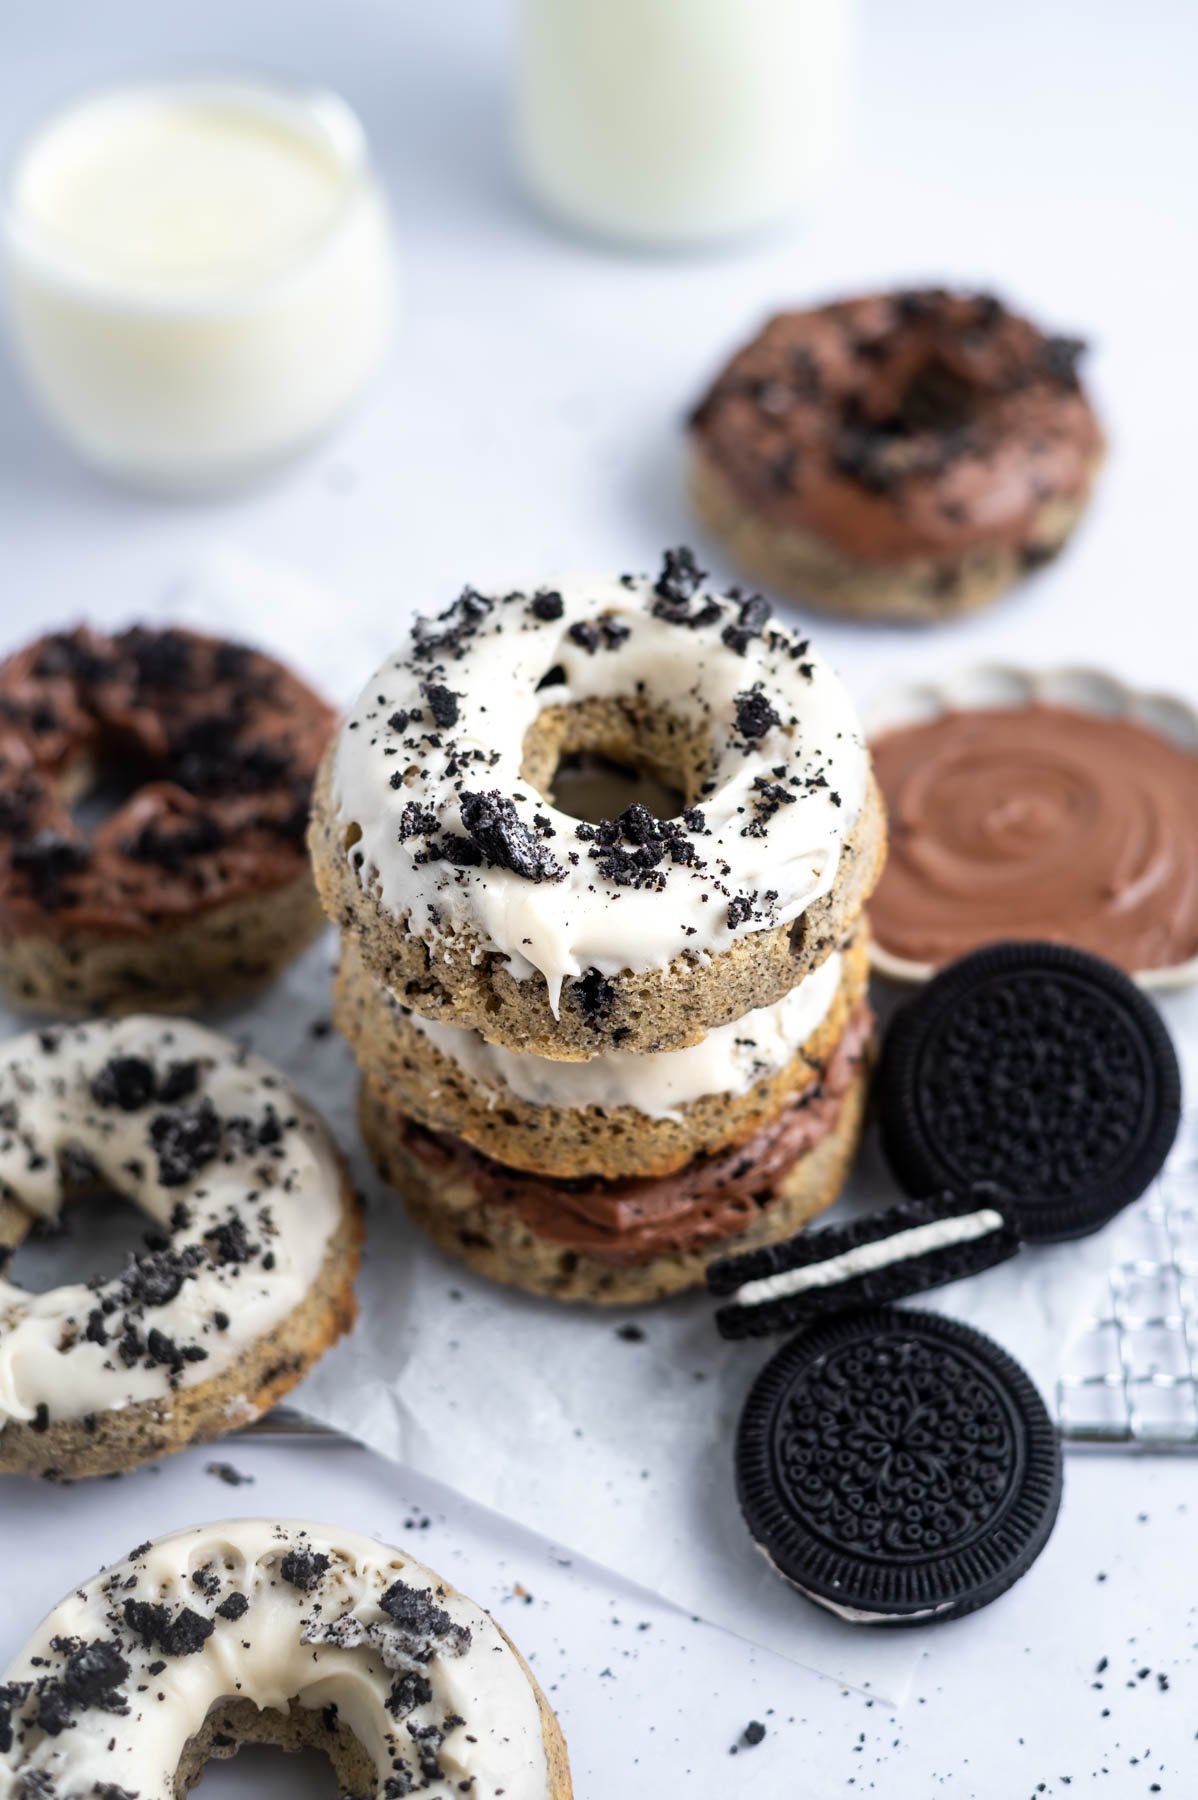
1057	805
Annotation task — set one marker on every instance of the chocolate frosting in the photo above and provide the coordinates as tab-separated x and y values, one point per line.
1038	822
708	1201
905	425
227	741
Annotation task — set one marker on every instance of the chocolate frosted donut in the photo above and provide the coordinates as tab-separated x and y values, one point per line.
631	1240
196	885
906	455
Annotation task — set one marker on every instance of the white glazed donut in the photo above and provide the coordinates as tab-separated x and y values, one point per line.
254	1630
445	834
730	1060
479	901
249	1270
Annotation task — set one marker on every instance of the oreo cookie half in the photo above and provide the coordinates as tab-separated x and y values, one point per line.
1038	1067
898	1468
889	1255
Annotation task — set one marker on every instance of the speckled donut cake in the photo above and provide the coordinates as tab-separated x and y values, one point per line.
597	1051
620	1114
196	887
475	899
247	1275
636	1239
255	1631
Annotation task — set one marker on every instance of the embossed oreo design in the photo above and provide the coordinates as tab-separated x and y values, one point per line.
897	1467
1037	1066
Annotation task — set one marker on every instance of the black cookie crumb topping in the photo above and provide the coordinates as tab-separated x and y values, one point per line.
547	606
304	1569
186	1140
127	1082
596	996
494	825
416	1614
679	581
48	860
754	714
442	703
630	850
184	1634
754	615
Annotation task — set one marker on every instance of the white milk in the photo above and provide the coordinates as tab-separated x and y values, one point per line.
199	275
675	122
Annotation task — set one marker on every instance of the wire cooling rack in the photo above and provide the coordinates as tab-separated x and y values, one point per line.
1130	1374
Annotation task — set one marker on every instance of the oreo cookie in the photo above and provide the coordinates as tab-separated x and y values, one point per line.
889	1255
897	1468
1038	1067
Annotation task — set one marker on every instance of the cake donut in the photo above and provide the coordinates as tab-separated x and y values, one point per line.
247	1274
196	886
904	456
620	1114
263	1631
439	850
638	1238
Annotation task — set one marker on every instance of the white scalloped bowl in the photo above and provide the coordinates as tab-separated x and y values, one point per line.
991	685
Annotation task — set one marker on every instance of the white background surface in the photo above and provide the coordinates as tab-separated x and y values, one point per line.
529	420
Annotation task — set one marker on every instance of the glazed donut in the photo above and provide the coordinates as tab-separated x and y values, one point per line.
618	1115
196	887
260	1631
475	899
634	1240
902	456
248	1272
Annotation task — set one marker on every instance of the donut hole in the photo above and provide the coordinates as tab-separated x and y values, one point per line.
100	786
323	1757
595	758
270	1773
591	788
92	1238
937	398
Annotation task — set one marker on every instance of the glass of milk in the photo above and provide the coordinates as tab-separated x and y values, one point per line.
200	275
676	123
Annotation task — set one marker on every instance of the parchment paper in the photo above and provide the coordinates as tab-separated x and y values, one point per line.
609	1432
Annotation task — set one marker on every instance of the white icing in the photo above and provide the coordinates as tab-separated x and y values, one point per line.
561	928
286	1194
730	1060
917	1240
264	1658
855	1615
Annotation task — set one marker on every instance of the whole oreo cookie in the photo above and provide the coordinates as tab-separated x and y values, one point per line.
1037	1066
884	1256
898	1468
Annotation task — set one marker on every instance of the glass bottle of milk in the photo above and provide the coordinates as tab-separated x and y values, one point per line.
675	123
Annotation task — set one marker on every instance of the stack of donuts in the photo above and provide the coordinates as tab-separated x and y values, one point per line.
604	1037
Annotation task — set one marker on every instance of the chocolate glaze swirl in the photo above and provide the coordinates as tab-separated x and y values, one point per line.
225	742
903	425
1038	822
712	1198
